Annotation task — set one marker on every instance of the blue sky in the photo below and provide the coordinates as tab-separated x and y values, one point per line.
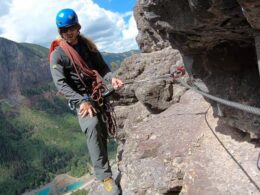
109	23
120	6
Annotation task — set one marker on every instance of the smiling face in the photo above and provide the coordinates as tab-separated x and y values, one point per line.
70	34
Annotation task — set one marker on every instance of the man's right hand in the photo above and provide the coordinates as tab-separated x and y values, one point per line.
85	109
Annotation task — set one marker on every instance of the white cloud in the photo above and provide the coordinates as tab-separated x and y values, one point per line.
34	22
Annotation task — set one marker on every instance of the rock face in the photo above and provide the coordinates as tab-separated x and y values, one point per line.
250	10
150	86
192	25
187	144
217	42
177	152
21	68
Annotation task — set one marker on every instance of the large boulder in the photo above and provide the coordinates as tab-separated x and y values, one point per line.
144	75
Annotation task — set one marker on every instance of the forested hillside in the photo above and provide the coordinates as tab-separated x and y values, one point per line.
114	60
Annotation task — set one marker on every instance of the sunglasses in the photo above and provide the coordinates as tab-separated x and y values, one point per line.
71	28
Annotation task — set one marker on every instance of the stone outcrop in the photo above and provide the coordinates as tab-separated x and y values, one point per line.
145	81
217	40
193	25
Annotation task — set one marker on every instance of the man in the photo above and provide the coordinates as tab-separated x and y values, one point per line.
77	68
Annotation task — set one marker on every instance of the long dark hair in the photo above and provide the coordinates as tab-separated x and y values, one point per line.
90	44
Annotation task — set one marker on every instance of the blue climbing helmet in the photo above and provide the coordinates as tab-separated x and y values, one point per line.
66	17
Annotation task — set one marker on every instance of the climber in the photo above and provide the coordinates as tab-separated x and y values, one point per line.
79	72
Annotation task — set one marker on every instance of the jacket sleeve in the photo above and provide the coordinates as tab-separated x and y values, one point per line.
59	79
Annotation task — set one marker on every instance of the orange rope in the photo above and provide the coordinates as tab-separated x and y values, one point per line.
81	67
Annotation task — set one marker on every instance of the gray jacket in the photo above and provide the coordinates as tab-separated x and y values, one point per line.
65	77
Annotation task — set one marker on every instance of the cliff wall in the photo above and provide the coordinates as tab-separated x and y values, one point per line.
173	140
218	42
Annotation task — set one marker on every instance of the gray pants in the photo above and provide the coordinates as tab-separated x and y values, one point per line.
96	133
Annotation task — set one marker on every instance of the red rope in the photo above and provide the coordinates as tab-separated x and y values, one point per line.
81	67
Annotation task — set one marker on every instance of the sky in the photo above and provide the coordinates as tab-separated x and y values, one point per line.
109	23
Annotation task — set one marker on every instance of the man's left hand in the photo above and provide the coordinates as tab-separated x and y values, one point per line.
117	83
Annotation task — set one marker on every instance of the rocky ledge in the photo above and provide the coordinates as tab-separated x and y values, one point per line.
186	150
